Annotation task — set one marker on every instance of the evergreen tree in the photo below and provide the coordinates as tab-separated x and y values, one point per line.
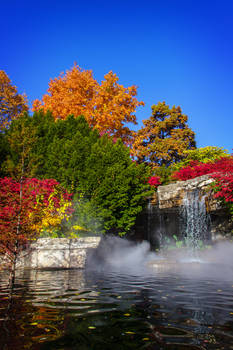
19	139
94	168
4	152
116	184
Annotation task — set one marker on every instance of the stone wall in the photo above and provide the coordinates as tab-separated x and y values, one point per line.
47	253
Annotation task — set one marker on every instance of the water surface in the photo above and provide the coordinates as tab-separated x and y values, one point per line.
159	308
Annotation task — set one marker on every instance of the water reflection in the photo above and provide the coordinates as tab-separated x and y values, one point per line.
151	309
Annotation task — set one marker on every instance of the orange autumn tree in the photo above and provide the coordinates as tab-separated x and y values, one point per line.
164	138
12	104
107	106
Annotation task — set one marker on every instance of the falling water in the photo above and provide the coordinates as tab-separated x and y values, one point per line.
155	226
195	220
149	223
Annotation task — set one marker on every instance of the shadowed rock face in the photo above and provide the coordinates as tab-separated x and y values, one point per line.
162	217
170	199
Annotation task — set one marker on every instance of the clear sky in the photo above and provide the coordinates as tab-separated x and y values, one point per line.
177	51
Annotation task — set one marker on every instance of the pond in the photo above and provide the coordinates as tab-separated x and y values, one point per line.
166	307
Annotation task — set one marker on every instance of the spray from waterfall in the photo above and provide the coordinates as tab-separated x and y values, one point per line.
115	253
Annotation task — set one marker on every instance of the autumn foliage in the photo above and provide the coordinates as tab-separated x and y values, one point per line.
195	168
208	154
221	171
12	104
107	106
43	204
75	136
164	137
154	181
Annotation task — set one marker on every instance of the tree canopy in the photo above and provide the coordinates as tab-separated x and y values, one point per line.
12	104
164	137
107	106
97	169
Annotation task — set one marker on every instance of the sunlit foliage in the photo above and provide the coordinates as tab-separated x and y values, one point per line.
207	154
114	188
154	181
23	214
18	142
12	104
221	171
107	106
164	137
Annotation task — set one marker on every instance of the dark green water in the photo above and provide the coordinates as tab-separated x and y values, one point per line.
98	310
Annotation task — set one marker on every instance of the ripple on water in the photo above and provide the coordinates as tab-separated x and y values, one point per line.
113	310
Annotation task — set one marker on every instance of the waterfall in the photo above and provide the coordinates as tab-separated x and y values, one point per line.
149	220
155	226
195	221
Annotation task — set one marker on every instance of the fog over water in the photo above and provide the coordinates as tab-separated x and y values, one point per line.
115	253
127	298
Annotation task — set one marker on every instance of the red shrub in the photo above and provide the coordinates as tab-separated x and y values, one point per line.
154	181
15	210
221	171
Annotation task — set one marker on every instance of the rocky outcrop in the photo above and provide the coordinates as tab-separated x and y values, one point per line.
171	196
163	217
47	253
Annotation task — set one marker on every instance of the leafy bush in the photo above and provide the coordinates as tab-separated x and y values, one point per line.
195	168
164	173
221	171
154	181
28	207
205	155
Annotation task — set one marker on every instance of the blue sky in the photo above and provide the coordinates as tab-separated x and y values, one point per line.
177	51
